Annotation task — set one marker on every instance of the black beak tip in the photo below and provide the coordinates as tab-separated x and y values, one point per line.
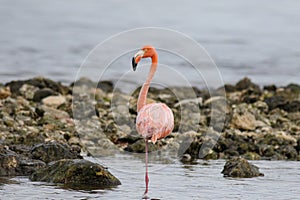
134	64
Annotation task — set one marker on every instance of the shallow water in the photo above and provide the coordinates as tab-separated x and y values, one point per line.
171	181
259	39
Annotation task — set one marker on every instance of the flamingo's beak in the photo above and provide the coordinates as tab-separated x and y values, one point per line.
136	59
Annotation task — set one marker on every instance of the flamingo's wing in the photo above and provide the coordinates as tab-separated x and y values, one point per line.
155	121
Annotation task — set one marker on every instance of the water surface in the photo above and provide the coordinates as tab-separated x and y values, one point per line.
171	181
259	39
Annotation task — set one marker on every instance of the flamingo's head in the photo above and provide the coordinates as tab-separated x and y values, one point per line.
146	52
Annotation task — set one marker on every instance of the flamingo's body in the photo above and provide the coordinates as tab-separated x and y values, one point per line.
154	121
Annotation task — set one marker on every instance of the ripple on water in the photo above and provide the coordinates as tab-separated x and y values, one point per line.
174	181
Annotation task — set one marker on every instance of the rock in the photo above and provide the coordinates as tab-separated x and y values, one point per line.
42	93
199	145
275	102
294	88
196	101
245	121
261	106
229	88
83	81
54	101
139	147
250	95
293	106
27	91
106	86
289	152
246	83
271	88
4	92
188	116
240	168
39	82
186	158
48	152
13	164
94	139
77	173
251	156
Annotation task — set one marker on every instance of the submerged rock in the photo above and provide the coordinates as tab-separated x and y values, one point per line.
240	168
77	172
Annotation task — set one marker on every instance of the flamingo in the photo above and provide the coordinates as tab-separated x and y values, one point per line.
155	120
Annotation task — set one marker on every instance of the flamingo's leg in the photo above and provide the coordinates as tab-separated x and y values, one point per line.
146	175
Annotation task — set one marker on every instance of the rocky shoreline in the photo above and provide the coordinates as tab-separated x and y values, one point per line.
43	121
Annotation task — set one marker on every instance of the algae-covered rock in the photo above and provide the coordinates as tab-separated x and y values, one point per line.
13	164
240	168
48	152
77	172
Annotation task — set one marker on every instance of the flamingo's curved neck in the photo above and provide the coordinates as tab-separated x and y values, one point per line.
144	91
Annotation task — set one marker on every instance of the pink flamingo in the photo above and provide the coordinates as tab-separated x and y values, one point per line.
154	121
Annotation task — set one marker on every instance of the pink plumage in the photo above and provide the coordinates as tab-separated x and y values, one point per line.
155	121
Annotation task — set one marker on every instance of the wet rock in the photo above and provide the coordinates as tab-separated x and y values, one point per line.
48	152
13	164
289	152
78	172
42	93
186	158
240	168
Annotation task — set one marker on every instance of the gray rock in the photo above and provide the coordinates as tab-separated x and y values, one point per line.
240	168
